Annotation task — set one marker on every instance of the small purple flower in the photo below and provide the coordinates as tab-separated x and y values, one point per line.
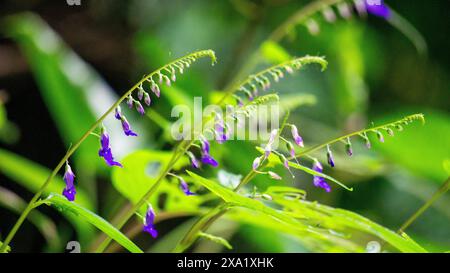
380	136
286	165
378	8
167	80
297	138
267	150
289	69
368	144
348	147
184	186
147	99
207	159
105	149
69	191
274	175
318	180
155	89
139	108
239	101
118	113
268	147
194	161
140	92
130	101
330	157
127	127
390	131
221	137
149	223
205	145
256	163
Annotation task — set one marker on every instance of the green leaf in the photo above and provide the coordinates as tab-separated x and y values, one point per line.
274	53
141	169
312	223
66	206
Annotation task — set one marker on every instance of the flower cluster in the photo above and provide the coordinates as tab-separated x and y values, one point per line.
318	180
345	10
255	84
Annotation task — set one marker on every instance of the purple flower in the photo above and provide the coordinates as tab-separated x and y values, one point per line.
69	191
368	144
148	223
194	161
377	8
207	159
220	132
184	186
256	163
126	127
105	150
330	157
289	69
155	89
286	165
147	99
130	101
390	132
267	150
239	101
139	108
348	147
118	113
140	92
318	180
274	175
268	147
297	138
205	145
380	136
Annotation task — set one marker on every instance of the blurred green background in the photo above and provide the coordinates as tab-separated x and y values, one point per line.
61	66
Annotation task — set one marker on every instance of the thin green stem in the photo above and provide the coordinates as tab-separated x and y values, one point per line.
442	190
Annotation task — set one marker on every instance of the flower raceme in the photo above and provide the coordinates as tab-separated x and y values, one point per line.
319	181
105	149
344	9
